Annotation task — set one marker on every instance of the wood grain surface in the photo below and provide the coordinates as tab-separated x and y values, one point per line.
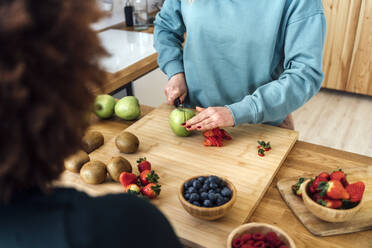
361	221
175	159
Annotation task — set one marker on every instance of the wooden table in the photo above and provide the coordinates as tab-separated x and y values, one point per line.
304	158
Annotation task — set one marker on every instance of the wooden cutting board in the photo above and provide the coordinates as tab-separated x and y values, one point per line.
362	220
178	158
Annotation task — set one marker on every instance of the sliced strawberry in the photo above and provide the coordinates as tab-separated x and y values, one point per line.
208	133
355	191
127	178
148	176
296	188
151	190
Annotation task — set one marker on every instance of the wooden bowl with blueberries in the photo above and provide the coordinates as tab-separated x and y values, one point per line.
207	197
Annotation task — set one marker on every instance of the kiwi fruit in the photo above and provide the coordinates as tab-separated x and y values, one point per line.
91	141
117	165
93	172
127	142
74	162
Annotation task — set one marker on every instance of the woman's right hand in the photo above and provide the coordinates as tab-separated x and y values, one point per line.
176	88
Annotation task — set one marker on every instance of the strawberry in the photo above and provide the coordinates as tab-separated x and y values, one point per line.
151	190
324	175
261	152
148	176
272	238
127	178
132	189
316	182
317	197
333	189
263	145
330	203
339	176
296	188
236	243
208	133
355	191
143	164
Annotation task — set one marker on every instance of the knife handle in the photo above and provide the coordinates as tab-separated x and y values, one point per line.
177	102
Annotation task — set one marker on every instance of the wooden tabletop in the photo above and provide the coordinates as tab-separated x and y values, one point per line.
304	158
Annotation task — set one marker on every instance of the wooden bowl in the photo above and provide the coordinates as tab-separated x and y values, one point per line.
205	213
262	228
324	213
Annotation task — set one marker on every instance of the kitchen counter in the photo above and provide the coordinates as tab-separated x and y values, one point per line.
303	158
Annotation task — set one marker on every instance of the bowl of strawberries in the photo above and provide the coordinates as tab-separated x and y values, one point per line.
261	235
331	198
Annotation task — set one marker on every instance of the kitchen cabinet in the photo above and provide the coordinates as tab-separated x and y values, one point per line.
347	61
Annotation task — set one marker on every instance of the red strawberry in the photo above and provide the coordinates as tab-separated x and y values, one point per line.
317	197
339	176
324	175
296	188
127	178
355	191
208	133
143	164
246	237
151	190
272	238
258	236
148	176
330	203
334	189
317	181
259	244
236	243
132	189
261	152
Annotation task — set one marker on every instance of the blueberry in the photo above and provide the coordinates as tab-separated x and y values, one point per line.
218	195
220	201
187	196
187	184
201	179
196	203
211	191
201	190
196	184
213	185
204	196
226	192
207	203
191	190
205	187
218	190
194	197
212	196
226	199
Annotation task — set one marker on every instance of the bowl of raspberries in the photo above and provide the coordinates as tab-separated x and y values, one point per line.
259	235
207	197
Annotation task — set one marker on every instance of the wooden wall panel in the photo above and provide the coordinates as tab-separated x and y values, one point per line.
360	76
342	22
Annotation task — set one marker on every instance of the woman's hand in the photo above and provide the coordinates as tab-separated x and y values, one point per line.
176	88
210	118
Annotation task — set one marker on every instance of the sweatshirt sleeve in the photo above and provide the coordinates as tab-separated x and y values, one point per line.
301	79
169	32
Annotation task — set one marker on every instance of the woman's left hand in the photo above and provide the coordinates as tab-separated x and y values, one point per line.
210	118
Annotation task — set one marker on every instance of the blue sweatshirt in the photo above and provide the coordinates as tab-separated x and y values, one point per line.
260	58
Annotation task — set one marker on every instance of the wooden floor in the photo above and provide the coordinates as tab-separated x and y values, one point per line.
338	120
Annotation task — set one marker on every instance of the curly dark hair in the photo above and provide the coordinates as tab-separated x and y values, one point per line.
48	66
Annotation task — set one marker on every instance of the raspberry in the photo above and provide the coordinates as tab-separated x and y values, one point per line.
246	237
236	243
247	246
283	246
250	242
258	236
260	244
273	239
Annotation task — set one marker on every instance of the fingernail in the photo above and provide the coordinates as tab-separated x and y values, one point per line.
188	127
199	127
183	124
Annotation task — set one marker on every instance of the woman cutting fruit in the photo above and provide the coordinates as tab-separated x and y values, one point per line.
243	61
48	64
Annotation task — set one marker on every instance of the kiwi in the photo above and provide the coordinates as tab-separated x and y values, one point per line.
91	141
76	161
127	142
116	166
93	172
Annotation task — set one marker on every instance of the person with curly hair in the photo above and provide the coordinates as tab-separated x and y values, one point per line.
48	65
243	61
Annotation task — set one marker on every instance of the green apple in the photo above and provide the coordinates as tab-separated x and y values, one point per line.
104	106
128	108
177	117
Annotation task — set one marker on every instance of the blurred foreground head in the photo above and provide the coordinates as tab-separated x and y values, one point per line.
48	62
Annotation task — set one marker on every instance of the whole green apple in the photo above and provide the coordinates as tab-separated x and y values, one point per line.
177	117
104	106
128	108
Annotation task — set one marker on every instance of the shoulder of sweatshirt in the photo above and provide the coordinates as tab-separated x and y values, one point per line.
298	10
